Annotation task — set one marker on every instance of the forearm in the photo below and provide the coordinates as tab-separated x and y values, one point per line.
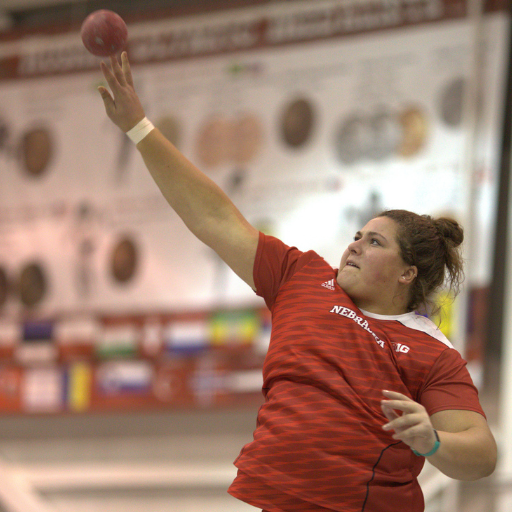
467	449
200	202
467	455
204	208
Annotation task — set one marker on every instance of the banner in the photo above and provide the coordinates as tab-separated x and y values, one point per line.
313	118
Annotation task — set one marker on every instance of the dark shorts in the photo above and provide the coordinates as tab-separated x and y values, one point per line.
259	494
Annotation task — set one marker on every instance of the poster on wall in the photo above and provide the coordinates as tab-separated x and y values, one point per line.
312	118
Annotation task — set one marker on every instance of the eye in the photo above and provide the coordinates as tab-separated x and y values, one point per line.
356	238
374	241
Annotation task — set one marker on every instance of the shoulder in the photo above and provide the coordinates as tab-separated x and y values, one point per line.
277	265
421	324
413	326
274	251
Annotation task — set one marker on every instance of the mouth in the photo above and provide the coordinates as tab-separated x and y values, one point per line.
351	264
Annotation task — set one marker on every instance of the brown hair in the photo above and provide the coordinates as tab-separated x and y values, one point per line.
433	246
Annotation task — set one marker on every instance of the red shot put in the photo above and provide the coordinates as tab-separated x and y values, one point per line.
104	33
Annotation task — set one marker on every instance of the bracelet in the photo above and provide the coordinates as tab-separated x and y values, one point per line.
140	130
431	452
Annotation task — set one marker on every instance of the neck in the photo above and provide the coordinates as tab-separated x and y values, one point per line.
391	309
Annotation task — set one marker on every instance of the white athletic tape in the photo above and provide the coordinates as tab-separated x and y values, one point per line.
140	130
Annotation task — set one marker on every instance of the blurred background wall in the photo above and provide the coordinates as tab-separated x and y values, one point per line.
130	356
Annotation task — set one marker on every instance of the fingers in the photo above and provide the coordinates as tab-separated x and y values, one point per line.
410	428
115	79
122	104
400	405
117	70
114	76
408	419
107	98
413	435
399	402
395	396
109	77
404	422
390	414
126	68
401	411
104	93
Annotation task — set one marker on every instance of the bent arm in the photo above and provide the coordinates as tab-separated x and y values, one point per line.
204	208
468	450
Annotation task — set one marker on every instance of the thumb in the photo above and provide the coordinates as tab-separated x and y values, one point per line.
107	98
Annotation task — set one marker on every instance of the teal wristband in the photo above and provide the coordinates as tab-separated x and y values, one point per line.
431	452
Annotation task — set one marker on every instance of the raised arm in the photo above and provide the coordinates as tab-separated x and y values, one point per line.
204	208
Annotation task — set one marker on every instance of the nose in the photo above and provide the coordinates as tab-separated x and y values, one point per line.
354	247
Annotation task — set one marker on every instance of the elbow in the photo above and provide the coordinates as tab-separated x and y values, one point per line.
490	466
479	473
487	460
491	460
482	472
485	468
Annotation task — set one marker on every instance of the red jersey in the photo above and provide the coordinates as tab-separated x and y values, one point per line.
319	434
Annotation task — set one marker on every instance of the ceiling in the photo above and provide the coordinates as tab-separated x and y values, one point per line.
39	14
14	13
29	4
7	6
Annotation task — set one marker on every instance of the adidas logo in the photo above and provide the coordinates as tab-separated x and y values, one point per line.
329	285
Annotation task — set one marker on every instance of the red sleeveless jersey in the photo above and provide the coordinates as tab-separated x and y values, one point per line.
319	436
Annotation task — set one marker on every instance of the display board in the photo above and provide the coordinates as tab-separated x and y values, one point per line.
312	116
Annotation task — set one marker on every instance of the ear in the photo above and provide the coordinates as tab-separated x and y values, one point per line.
409	275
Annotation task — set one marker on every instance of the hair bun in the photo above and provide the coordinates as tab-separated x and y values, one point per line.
450	230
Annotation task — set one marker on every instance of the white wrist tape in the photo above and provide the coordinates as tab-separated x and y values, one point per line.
140	130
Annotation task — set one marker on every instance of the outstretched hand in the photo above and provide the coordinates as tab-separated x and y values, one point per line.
412	426
123	106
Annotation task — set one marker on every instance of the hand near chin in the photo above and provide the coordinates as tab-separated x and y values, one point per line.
409	421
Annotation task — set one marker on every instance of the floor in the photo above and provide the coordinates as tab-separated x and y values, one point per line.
96	443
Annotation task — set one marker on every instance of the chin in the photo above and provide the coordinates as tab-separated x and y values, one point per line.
346	286
350	288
